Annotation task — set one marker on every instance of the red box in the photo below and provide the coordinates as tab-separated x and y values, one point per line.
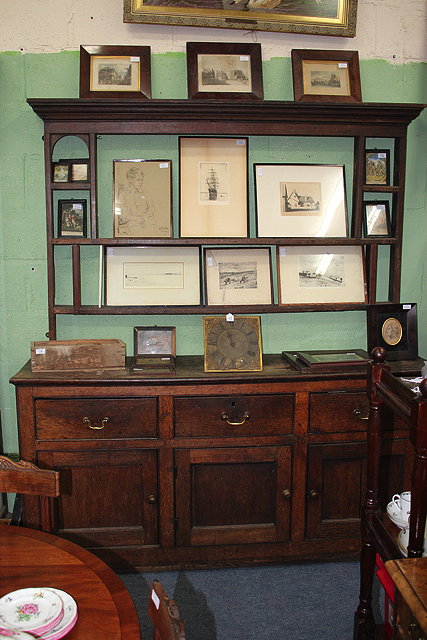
388	586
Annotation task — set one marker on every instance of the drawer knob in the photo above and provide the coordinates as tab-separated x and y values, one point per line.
152	498
313	494
225	417
358	414
286	493
104	421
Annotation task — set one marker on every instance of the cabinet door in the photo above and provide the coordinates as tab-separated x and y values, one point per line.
110	497
233	496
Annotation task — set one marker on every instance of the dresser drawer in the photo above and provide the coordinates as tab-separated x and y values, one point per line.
234	415
84	418
338	412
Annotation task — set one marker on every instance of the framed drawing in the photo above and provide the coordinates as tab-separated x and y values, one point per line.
72	216
376	218
333	18
110	71
213	187
154	348
142	198
394	327
236	276
321	275
60	171
218	70
157	276
326	76
232	345
300	200
377	166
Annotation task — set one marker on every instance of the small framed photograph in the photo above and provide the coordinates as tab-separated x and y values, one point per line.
232	343
61	171
217	70
393	327
213	187
72	218
108	71
237	276
377	166
326	76
321	275
376	218
300	200
142	198
154	348
152	276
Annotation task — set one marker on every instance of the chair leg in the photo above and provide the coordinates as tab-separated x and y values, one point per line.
364	623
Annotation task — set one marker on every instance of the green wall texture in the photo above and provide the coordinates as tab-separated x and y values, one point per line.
23	288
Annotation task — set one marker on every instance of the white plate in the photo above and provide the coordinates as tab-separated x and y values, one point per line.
69	619
9	634
36	610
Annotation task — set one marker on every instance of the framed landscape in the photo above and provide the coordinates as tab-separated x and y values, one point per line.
326	76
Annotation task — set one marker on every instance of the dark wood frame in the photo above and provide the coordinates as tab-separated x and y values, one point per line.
406	314
351	58
333	364
251	50
61	204
386	204
387	164
138	330
143	53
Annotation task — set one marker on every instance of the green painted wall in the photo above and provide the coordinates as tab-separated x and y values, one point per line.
23	291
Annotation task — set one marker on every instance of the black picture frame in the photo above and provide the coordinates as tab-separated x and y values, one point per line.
393	327
376	219
72	218
377	167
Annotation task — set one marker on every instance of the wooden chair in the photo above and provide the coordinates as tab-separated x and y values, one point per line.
25	478
164	614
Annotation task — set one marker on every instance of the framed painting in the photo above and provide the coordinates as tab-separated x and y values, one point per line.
300	200
218	70
376	218
232	343
331	18
377	166
326	76
61	171
393	327
72	215
110	71
154	348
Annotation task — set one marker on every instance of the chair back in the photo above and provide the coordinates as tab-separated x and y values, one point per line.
164	614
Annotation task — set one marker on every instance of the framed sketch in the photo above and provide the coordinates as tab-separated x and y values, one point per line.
236	276
377	166
60	171
334	18
321	275
300	200
213	187
110	71
218	70
232	344
142	198
376	218
326	76
72	215
152	276
154	348
394	327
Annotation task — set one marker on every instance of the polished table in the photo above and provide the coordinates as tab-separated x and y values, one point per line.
31	558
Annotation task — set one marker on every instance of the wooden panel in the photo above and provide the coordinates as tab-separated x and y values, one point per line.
337	412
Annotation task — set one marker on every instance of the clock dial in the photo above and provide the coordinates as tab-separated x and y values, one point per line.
232	346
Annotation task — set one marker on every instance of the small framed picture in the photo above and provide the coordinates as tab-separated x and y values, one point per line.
108	71
154	348
61	171
393	327
232	343
72	215
376	218
377	166
326	76
79	170
327	361
218	70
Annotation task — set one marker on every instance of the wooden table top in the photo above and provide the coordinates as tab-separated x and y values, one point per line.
30	558
410	578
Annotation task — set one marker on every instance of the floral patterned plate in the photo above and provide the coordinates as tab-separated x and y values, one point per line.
67	622
9	634
34	610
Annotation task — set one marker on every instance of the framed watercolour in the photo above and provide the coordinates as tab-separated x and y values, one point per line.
376	218
232	345
152	276
142	198
213	187
218	70
335	18
377	166
326	76
72	216
109	71
394	327
321	275
236	276
300	200
154	348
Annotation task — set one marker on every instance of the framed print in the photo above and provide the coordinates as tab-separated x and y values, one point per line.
213	187
236	276
152	276
60	171
326	76
154	348
320	275
334	18
108	71
394	327
72	216
142	198
376	218
232	345
218	70
300	200
377	166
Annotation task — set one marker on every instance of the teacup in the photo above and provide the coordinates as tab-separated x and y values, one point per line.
402	502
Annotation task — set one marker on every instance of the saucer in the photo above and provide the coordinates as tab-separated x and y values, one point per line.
69	619
35	610
391	512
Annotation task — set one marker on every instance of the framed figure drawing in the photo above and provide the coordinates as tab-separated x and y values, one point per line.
326	76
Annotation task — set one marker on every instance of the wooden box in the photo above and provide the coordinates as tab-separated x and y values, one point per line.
70	355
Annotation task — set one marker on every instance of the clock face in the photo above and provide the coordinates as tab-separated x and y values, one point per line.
392	331
232	346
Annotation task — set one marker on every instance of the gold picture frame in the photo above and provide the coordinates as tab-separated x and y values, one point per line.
232	343
326	76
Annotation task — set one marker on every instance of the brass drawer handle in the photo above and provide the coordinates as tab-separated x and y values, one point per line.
152	498
313	494
286	493
358	414
225	417
104	421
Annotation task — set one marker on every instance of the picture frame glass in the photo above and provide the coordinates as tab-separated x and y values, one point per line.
376	219
72	216
60	172
79	171
114	73
228	73
326	77
155	341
